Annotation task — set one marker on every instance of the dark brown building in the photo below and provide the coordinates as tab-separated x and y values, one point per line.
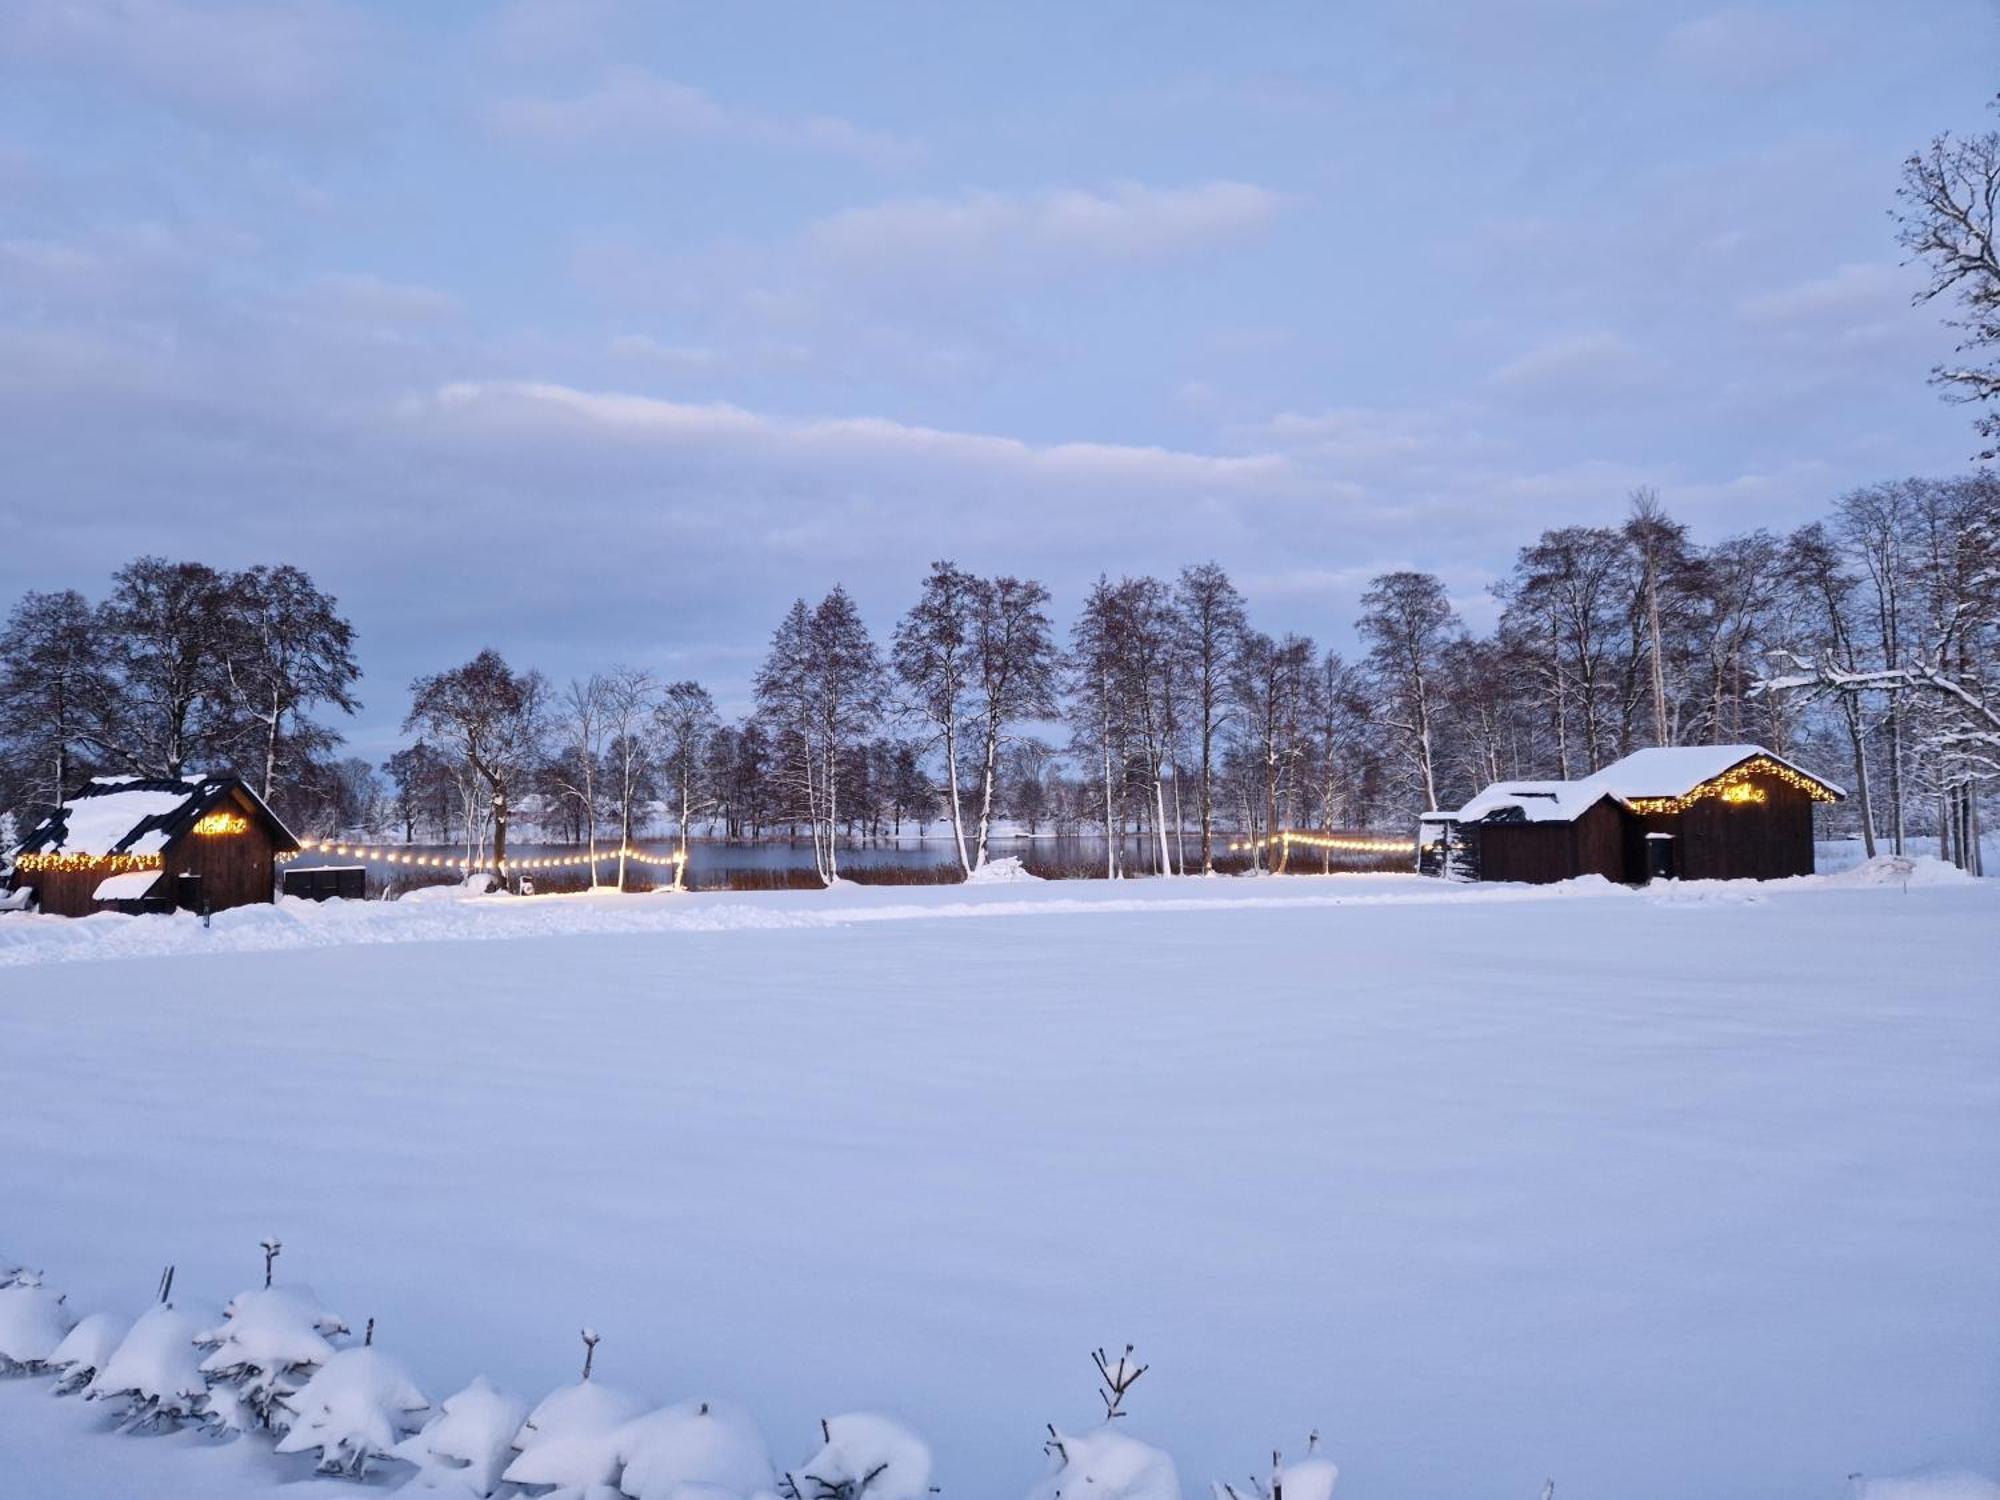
1689	812
133	844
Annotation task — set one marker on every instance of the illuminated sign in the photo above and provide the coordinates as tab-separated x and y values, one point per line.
219	823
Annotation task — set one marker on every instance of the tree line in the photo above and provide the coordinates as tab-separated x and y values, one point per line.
1162	716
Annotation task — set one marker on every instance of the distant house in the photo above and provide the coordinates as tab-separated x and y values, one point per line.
1692	812
127	843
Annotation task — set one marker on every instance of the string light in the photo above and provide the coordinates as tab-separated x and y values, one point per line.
1736	788
61	864
1326	841
380	855
217	824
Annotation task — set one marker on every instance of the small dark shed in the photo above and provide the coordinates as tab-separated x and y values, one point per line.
127	843
1692	812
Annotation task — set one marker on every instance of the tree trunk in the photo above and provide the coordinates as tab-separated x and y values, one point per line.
1863	797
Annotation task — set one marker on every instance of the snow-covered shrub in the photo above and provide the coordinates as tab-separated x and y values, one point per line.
33	1322
1104	1464
356	1408
1311	1478
865	1457
154	1374
269	1344
697	1450
463	1449
568	1447
86	1349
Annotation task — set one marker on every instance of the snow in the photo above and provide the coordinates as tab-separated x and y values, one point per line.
1107	1464
98	824
86	1347
1539	801
697	1450
571	1440
1657	1193
463	1449
1674	770
269	1339
129	885
875	1457
1956	1485
358	1406
1001	872
154	1373
33	1322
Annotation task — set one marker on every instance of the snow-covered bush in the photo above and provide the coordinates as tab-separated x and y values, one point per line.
86	1349
697	1450
464	1448
356	1408
568	1447
1104	1464
33	1322
269	1344
864	1457
154	1374
1311	1478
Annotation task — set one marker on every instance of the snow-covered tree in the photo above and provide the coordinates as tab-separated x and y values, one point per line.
33	1323
696	1450
356	1409
1310	1478
1407	621
461	1452
268	1346
86	1349
1103	1463
1209	623
568	1446
154	1377
863	1456
684	721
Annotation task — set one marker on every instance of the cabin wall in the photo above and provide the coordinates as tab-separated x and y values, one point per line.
1540	853
1718	840
236	869
65	893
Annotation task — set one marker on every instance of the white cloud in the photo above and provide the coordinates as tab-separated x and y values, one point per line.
634	109
1743	47
1582	361
1854	293
368	298
270	62
1062	226
522	406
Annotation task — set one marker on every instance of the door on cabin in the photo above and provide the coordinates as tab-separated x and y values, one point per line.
1662	863
187	892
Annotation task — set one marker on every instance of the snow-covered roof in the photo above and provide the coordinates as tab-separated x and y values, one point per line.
139	815
1676	770
1665	771
1538	801
129	886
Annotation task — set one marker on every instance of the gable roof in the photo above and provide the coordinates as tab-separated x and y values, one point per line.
141	815
1536	801
1664	772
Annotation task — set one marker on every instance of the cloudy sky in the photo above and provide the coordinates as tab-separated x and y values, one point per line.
597	331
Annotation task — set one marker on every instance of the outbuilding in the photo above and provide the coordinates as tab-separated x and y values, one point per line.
137	844
1692	812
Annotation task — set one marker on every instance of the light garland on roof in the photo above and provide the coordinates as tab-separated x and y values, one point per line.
1325	841
66	864
1736	788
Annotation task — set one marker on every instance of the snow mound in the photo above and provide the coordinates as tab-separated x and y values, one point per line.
1902	869
869	1457
86	1349
571	1440
466	889
697	1450
1957	1484
357	1407
1310	1479
1107	1465
33	1322
466	1445
1000	872
154	1369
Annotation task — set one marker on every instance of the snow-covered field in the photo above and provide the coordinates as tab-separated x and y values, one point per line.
1686	1192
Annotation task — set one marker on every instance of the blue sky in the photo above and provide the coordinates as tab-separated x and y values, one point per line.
597	331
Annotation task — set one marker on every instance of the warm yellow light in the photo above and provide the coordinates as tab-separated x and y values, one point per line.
218	824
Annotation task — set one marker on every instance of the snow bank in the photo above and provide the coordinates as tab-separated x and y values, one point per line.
1902	870
1000	872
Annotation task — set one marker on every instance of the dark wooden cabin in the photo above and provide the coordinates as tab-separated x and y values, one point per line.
136	845
1689	812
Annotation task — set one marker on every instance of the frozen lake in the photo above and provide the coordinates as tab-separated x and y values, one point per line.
1681	1193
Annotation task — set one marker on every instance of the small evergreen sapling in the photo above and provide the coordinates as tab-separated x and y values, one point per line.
1311	1478
462	1450
567	1449
695	1450
269	1344
86	1349
1104	1464
153	1375
356	1408
863	1456
33	1322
